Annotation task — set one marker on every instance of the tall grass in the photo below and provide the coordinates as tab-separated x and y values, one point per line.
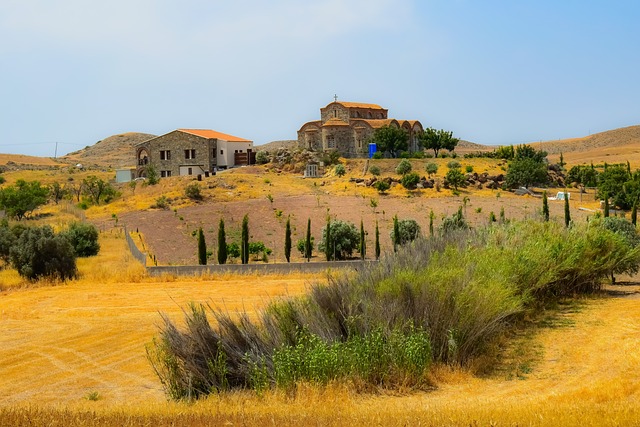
442	299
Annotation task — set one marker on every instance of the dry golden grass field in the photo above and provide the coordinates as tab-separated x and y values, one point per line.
74	353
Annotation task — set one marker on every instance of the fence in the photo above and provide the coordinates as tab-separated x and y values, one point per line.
137	253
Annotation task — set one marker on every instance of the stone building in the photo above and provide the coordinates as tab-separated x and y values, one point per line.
192	152
347	126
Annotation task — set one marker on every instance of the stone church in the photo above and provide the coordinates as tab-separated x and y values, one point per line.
347	126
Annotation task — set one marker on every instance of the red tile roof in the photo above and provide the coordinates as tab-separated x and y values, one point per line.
359	105
334	121
211	134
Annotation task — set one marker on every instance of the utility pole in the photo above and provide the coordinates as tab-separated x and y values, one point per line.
55	155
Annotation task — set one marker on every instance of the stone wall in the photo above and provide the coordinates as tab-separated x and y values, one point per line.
177	142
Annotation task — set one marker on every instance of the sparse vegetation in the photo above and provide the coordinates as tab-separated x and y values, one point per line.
21	199
193	192
84	239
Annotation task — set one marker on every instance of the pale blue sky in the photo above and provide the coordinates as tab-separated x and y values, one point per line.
493	72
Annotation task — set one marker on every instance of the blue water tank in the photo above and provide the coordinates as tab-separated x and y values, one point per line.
372	149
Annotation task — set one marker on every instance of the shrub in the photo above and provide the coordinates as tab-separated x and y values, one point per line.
19	200
262	157
162	202
343	237
40	253
374	170
84	239
381	186
377	155
152	175
456	178
233	250
259	250
300	245
404	167
453	164
455	222
468	168
192	191
408	231
431	168
410	180
340	170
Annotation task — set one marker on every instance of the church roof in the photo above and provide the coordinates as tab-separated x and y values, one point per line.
212	134
378	123
359	105
334	121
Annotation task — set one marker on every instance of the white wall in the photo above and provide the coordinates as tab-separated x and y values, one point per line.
195	170
226	159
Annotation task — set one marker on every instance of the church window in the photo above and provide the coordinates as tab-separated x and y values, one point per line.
331	141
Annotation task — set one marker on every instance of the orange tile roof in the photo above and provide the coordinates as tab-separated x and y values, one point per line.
378	123
211	134
334	121
359	105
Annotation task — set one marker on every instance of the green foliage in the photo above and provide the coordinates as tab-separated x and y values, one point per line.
374	170
524	172
19	200
408	230
244	243
505	152
381	186
585	175
395	234
362	247
567	212
308	243
233	250
98	190
432	216
341	241
410	180
262	157
436	140
162	202
455	222
377	155
454	164
545	206
57	192
202	248
606	207
340	170
222	243
616	183
287	240
377	244
259	251
456	178
468	168
193	191
525	151
152	175
331	157
431	168
8	239
390	139
84	239
404	167
40	253
301	245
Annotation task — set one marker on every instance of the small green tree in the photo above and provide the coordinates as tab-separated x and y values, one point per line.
432	216
436	140
395	234
381	186
84	239
567	213
561	163
262	157
634	213
287	240
455	222
390	139
431	169
19	200
363	243
193	192
97	190
455	178
545	206
308	243
301	245
374	170
259	251
377	241
57	192
606	206
342	240
525	172
404	167
408	230
340	170
233	250
244	245
152	175
410	181
202	248
39	253
222	243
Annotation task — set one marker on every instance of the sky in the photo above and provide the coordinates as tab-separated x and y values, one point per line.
493	72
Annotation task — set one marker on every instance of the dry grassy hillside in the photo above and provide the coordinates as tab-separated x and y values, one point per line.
115	151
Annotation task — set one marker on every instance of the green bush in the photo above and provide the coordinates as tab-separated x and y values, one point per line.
300	245
381	186
408	231
192	191
262	157
468	168
344	238
404	167
454	164
40	253
410	180
431	168
377	155
340	170
84	239
374	170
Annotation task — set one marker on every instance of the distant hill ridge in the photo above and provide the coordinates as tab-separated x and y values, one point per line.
115	151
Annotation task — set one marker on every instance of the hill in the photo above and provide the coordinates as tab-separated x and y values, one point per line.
115	151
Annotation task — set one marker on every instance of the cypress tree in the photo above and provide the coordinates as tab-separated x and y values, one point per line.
431	218
567	213
396	233
202	248
545	207
327	239
244	247
634	212
363	243
628	168
502	217
307	242
606	205
377	241
287	240
222	243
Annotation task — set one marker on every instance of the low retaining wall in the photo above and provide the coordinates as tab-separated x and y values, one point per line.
280	268
137	254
